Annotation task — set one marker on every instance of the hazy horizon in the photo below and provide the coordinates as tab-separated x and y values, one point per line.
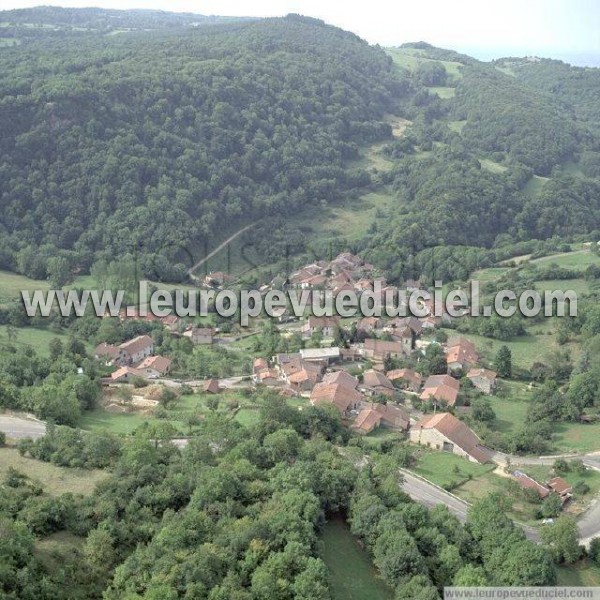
561	29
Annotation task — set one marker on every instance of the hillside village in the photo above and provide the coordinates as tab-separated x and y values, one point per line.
366	369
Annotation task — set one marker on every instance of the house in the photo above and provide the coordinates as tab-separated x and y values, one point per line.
483	379
412	323
171	322
405	379
345	399
304	380
562	487
529	483
299	374
341	378
442	388
268	377
126	375
443	431
368	324
200	335
327	326
377	383
209	386
155	366
461	355
366	420
259	364
325	355
135	350
393	416
382	349
107	353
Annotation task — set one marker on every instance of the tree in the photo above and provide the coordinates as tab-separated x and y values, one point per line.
470	576
212	403
59	272
562	539
482	410
55	348
594	551
551	506
503	362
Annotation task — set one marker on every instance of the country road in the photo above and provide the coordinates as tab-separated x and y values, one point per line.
218	249
420	490
19	427
430	495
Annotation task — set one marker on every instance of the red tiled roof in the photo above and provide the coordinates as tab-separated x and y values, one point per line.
159	363
137	344
457	432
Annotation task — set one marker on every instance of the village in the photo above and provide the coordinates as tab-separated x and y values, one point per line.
368	369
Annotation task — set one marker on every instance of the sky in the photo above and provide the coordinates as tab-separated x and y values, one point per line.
483	28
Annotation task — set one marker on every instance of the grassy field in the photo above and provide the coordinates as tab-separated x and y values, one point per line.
352	575
443	91
577	437
578	258
456	126
491	166
55	480
12	284
443	468
38	339
119	423
525	349
511	408
534	185
411	58
579	286
247	416
585	573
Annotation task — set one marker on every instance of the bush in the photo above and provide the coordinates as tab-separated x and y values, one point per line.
2	438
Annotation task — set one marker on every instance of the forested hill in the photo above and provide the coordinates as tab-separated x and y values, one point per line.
152	141
498	155
119	141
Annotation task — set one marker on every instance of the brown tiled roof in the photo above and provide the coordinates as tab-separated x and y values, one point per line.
457	432
407	374
137	344
441	387
560	486
340	396
104	349
209	385
375	379
383	346
320	322
367	419
527	482
481	372
394	415
260	363
123	371
461	350
341	377
159	363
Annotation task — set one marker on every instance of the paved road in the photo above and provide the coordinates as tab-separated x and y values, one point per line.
431	495
18	427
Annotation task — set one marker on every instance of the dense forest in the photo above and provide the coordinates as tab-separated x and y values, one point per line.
237	514
214	127
152	142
